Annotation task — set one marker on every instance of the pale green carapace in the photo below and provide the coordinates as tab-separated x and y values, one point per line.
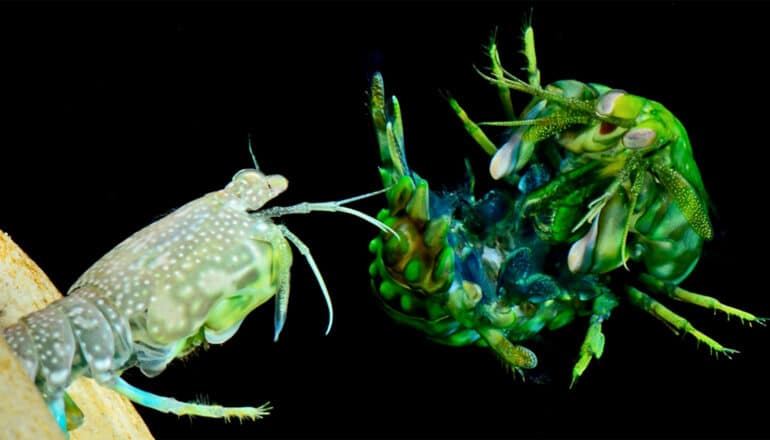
189	278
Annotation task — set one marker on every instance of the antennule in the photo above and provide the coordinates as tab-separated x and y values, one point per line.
253	157
335	206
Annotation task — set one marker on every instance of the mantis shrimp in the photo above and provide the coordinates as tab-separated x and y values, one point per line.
188	279
602	190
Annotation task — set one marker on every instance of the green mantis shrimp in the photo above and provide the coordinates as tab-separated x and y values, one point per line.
602	189
189	279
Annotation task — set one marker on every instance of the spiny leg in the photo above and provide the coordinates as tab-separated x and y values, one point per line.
593	345
516	356
497	69
556	187
677	323
529	52
504	91
389	127
499	72
704	301
170	405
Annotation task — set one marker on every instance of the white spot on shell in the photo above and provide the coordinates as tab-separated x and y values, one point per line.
212	282
103	364
59	377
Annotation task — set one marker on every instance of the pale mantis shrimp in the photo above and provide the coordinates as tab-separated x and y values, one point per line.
190	278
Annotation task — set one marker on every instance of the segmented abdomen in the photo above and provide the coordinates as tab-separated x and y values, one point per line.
144	302
83	333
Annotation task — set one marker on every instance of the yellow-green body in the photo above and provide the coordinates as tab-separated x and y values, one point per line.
626	187
594	182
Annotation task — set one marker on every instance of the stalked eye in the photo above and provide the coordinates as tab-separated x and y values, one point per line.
254	188
246	175
639	138
606	103
276	183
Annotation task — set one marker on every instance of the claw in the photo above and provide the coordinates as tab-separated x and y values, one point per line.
593	345
592	348
516	356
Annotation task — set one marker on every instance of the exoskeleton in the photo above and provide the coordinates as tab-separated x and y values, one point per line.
595	181
189	278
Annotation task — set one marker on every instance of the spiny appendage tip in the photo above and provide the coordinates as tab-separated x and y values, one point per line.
715	348
248	413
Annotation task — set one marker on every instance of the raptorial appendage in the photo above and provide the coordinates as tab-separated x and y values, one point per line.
594	180
186	280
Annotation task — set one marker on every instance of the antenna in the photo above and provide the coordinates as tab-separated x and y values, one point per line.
253	158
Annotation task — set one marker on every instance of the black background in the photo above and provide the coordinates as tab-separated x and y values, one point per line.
113	114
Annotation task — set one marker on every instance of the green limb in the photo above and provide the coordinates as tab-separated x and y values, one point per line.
516	356
704	301
377	107
688	200
636	190
529	52
388	127
169	405
593	345
499	72
675	322
473	129
564	183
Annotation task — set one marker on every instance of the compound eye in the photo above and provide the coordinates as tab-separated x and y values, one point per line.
619	104
276	184
247	175
638	138
606	103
